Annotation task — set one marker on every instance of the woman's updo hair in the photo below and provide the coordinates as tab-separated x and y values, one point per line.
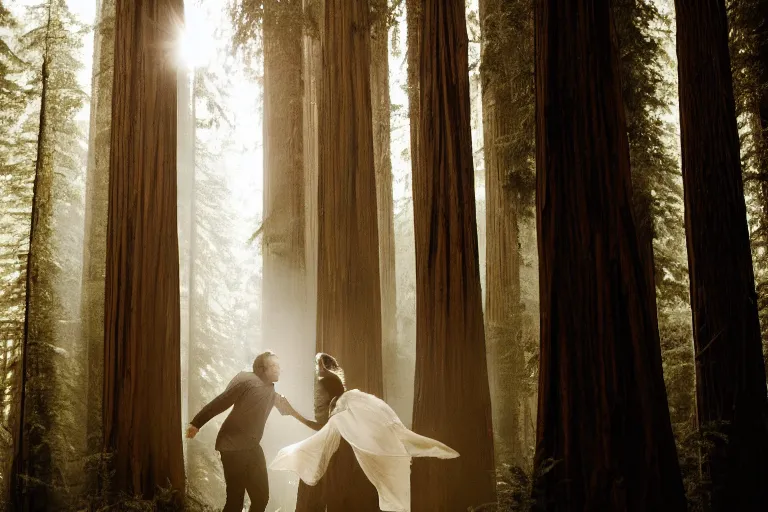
332	385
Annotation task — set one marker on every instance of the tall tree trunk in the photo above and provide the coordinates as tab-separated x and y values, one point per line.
142	401
761	40
642	182
452	400
383	164
311	68
503	210
413	12
730	375
603	420
95	234
348	294
642	178
284	253
349	303
191	382
309	498
31	471
284	284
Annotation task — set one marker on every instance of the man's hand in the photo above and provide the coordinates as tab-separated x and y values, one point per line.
282	405
286	409
192	431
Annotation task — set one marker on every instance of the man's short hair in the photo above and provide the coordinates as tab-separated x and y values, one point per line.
260	363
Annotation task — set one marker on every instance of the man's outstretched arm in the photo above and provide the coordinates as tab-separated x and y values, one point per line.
215	407
285	408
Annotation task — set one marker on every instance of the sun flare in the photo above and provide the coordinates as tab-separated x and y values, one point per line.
196	43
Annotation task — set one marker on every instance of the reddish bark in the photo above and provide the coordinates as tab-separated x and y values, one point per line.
452	400
348	285
142	399
602	417
730	374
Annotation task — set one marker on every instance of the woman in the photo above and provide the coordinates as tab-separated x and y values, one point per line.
382	445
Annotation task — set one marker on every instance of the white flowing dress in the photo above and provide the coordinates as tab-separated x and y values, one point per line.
382	445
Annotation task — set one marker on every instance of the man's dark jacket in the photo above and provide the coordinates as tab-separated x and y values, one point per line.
253	400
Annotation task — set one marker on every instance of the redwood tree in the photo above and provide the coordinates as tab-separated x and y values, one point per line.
309	498
380	104
142	402
730	375
507	88
95	233
348	304
604	438
748	37
413	20
452	399
348	296
283	242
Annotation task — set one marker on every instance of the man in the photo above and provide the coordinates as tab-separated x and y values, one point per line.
253	396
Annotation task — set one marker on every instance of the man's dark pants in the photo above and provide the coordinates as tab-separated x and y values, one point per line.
245	470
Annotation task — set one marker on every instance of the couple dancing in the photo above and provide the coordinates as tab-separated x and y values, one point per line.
361	430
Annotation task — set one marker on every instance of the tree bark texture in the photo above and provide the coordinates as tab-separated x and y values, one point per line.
761	39
349	303
642	177
142	402
603	420
31	471
383	164
284	287
452	400
413	20
95	234
309	498
348	284
502	208
730	374
186	194
312	66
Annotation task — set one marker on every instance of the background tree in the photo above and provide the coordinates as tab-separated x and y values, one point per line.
283	237
507	88
348	283
15	192
381	19
348	317
48	438
730	374
597	323
414	22
748	40
142	280
216	324
657	195
309	498
279	28
15	195
95	244
452	401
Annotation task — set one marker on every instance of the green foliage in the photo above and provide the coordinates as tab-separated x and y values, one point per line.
222	310
644	34
647	91
508	59
246	17
167	499
15	194
54	153
747	39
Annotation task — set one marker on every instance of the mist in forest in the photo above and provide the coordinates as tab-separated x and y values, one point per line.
272	253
